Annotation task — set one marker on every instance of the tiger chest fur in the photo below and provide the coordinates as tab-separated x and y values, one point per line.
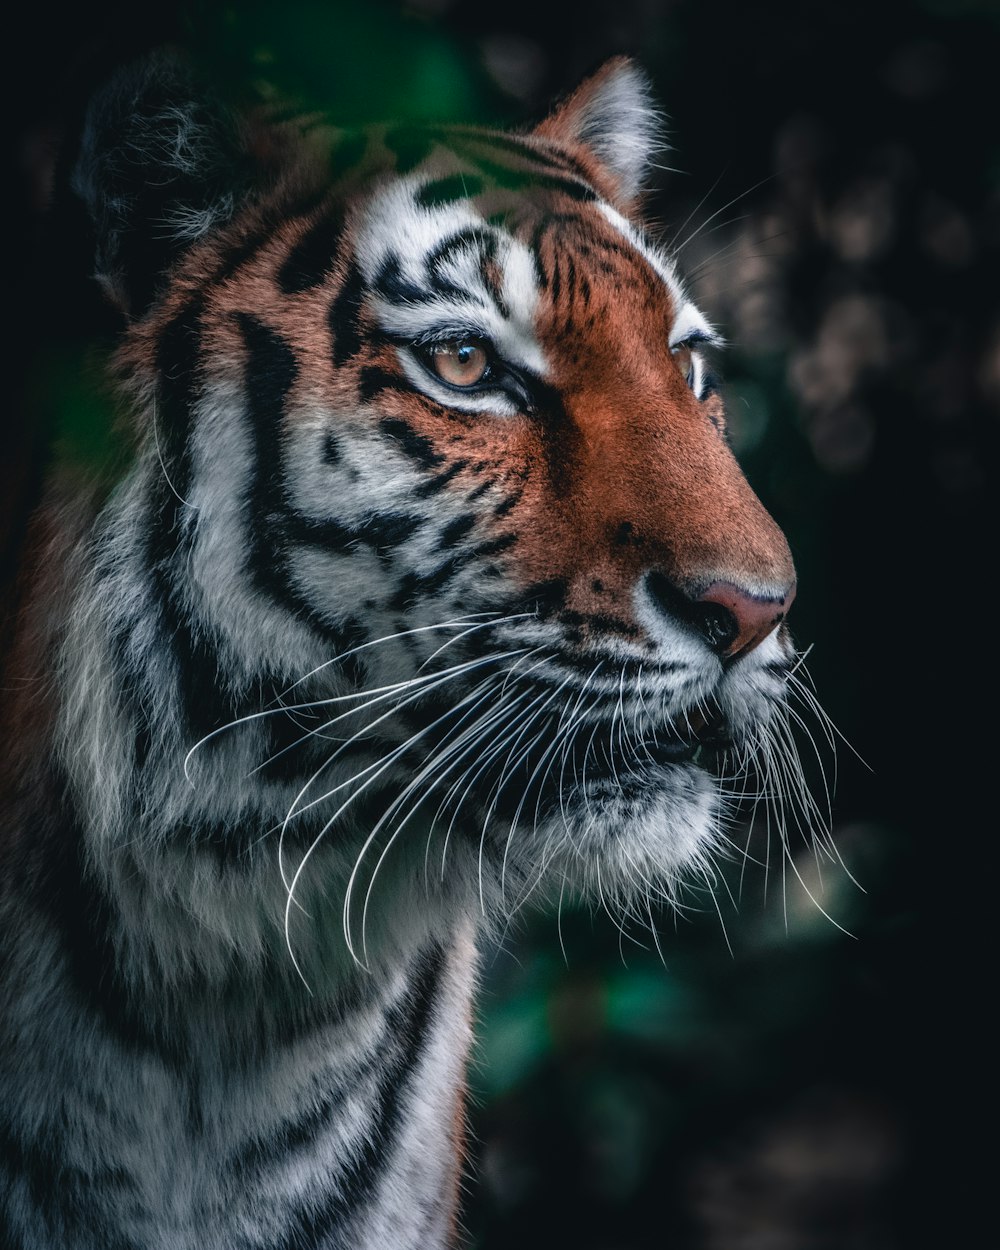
432	588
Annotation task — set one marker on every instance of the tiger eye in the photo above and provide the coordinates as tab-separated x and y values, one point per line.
682	355
462	362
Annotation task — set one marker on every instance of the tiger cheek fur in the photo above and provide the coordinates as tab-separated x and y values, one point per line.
432	580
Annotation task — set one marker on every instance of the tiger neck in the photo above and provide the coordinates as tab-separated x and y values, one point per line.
362	1087
186	821
173	959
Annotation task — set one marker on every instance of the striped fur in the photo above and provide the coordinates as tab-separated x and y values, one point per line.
353	661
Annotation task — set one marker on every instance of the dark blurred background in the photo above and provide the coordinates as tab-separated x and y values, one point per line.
771	1082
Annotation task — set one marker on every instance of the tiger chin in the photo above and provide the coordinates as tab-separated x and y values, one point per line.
433	589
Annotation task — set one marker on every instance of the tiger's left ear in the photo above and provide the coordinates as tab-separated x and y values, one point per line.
161	163
614	116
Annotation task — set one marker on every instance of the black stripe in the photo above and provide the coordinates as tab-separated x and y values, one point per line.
390	283
176	358
345	317
270	373
412	144
541	168
470	241
510	502
583	662
151	1018
200	680
272	1147
494	546
535	180
170	533
481	490
331	449
373	381
535	248
417	586
265	1152
293	751
311	260
81	913
492	275
556	278
570	278
440	480
544	598
237	254
66	1198
550	222
456	530
522	147
381	531
409	1021
271	370
417	446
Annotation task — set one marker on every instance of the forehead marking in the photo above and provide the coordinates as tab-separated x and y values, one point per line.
689	321
459	262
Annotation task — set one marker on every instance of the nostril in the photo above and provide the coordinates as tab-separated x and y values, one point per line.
731	620
718	625
752	617
714	621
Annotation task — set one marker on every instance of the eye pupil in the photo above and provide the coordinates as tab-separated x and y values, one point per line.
460	362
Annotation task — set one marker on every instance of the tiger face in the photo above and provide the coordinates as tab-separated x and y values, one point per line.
440	517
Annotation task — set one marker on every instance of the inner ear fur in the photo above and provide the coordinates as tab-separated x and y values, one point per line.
614	116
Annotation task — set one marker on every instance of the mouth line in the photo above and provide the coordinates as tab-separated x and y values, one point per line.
699	739
603	760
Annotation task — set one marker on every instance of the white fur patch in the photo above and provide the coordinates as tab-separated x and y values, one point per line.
395	227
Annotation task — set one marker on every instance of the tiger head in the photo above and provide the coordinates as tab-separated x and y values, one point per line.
449	562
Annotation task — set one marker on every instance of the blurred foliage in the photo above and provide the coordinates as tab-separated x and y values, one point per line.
753	1077
358	62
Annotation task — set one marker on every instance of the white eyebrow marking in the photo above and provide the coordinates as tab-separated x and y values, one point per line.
396	227
690	326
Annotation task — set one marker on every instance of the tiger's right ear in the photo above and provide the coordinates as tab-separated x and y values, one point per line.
614	115
161	163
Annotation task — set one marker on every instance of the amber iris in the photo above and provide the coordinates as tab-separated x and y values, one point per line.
460	362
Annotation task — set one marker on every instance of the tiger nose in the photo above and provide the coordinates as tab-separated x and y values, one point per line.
733	621
730	619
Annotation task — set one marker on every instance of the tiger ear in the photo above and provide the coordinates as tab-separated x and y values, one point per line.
613	114
161	162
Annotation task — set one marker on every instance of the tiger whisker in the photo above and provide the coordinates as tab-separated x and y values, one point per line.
385	764
504	712
284	708
677	248
295	809
456	623
503	620
433	767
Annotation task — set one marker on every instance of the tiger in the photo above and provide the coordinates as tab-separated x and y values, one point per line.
432	590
